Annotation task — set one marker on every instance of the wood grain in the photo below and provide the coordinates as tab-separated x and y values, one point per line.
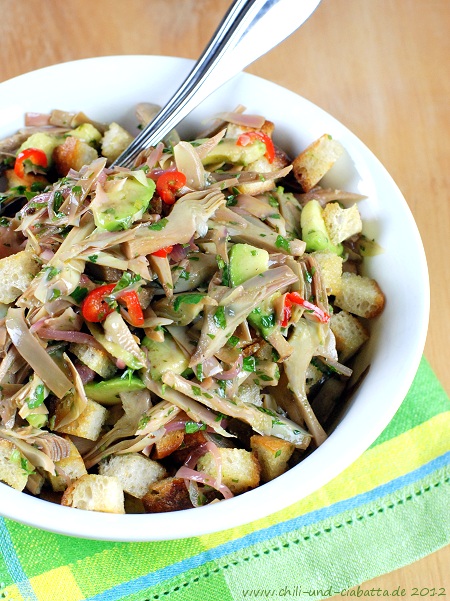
379	66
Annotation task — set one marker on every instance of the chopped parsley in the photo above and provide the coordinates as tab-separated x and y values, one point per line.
58	199
249	364
219	318
159	225
126	280
79	294
189	299
282	242
192	427
93	258
199	372
233	341
50	271
273	202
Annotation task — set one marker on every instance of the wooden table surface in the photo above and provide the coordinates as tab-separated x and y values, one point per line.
379	66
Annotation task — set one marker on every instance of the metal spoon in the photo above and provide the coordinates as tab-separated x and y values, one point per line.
249	29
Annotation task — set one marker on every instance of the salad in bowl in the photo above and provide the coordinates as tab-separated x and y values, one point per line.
183	334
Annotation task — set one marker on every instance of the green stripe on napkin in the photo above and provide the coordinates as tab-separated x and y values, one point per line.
389	508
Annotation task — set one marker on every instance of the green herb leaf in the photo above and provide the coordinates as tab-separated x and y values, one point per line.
282	242
233	341
219	318
159	225
189	299
79	294
199	372
192	427
126	280
249	364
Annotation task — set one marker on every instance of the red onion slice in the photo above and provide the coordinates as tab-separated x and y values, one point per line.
192	475
68	336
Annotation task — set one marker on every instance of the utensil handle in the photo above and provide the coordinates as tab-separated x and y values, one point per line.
240	22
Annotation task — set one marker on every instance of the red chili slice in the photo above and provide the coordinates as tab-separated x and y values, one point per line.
294	298
134	308
34	155
168	184
163	252
250	136
95	308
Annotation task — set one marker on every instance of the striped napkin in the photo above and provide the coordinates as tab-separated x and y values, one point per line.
388	509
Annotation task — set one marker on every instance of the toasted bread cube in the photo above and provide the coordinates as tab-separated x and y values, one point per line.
95	493
169	494
115	140
88	424
189	444
96	359
73	154
240	469
350	334
11	470
169	443
331	269
341	223
16	274
314	162
273	455
72	466
360	295
134	471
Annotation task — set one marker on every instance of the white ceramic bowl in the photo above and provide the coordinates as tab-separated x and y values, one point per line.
108	89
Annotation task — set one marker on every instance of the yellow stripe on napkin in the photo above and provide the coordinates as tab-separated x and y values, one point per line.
56	584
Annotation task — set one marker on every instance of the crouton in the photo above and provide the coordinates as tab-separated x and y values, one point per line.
115	140
169	494
341	223
72	466
16	273
360	295
169	443
350	334
95	493
95	358
134	471
189	444
73	154
273	455
87	425
330	265
314	162
240	469
11	470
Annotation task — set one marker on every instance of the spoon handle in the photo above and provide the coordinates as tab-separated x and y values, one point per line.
249	29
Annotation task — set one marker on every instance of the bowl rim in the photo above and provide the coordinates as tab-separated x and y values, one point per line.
280	493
